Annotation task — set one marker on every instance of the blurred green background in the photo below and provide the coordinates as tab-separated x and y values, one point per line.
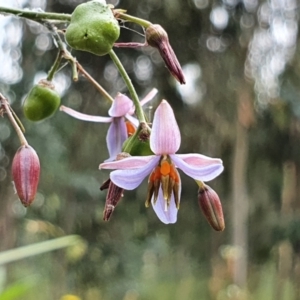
240	103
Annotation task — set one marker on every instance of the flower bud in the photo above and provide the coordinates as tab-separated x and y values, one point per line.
211	207
113	196
26	173
157	37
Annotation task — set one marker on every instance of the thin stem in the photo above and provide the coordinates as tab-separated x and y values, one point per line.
55	66
129	45
138	108
56	36
35	15
75	64
94	82
122	16
11	118
201	184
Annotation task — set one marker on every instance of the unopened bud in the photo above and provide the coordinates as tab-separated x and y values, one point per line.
158	38
113	196
26	173
211	207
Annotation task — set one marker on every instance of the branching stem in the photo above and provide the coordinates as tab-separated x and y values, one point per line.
35	15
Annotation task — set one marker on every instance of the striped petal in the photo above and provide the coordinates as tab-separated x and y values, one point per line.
116	136
199	167
169	215
149	96
132	162
84	117
165	136
133	120
131	178
121	106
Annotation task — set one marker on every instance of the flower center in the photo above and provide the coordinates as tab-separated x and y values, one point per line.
167	177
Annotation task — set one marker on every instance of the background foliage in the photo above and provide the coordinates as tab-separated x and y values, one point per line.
240	103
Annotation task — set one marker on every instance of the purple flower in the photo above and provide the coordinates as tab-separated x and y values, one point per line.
122	107
164	185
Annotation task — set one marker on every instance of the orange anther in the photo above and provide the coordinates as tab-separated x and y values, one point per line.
155	175
165	168
174	174
130	128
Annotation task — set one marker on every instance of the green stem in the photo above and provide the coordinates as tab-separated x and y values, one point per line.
138	108
201	184
35	15
60	53
132	19
55	66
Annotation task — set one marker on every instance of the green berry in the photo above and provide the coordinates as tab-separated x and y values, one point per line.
41	102
93	28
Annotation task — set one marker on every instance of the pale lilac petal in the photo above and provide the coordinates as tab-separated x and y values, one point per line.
85	117
165	136
121	106
145	100
116	136
133	120
169	216
199	159
198	171
130	179
149	96
132	162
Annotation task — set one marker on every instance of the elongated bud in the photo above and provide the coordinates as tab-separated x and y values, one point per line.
114	193
113	196
26	174
211	207
158	38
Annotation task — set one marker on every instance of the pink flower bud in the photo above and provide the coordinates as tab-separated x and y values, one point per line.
26	173
211	207
158	38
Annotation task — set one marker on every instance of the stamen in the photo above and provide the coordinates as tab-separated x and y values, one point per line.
165	168
130	128
153	186
174	173
166	176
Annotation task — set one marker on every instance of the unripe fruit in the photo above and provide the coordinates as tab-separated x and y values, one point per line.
93	28
41	102
26	173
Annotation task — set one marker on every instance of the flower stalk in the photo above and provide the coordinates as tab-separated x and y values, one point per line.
12	118
138	108
119	14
